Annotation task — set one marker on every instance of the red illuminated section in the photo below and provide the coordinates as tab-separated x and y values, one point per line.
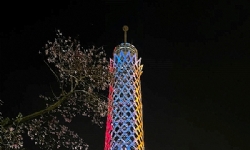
108	136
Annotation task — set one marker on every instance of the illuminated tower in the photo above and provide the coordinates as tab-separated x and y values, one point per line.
124	129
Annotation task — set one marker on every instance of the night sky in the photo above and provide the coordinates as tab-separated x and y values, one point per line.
195	81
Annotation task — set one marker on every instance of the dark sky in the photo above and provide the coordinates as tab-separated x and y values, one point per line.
195	84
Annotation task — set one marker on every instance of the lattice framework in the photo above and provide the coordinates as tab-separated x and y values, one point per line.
124	129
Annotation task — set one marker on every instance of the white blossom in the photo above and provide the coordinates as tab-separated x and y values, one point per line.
81	73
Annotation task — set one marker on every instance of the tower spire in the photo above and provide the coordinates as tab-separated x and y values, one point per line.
125	29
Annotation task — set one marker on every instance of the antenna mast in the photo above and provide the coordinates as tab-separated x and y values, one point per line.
125	29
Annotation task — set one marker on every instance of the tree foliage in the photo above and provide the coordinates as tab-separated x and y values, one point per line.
81	75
